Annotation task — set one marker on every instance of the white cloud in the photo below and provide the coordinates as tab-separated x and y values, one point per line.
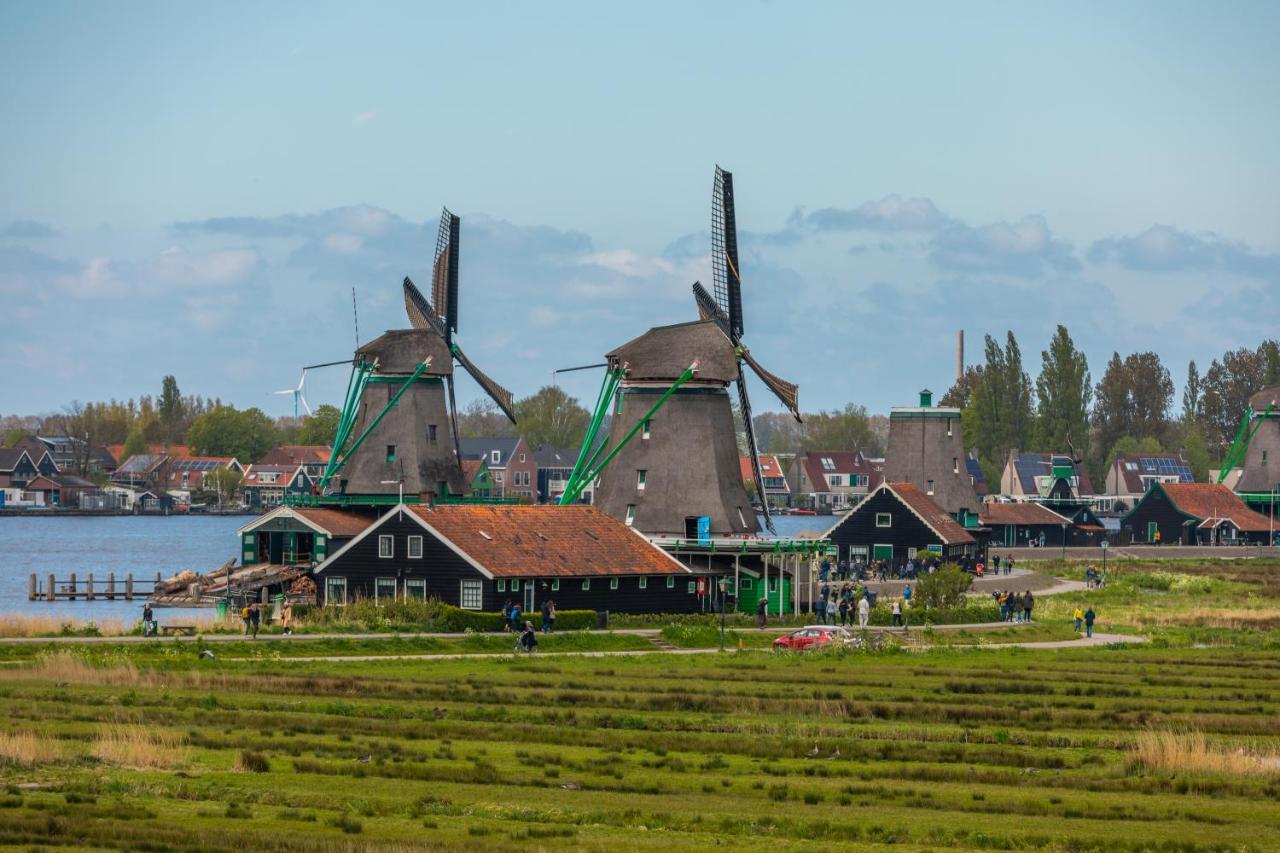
369	115
176	266
343	244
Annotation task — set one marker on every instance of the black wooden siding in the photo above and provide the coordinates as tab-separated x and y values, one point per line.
1157	507
907	531
444	570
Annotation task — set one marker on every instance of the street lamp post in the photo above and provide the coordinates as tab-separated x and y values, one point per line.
723	588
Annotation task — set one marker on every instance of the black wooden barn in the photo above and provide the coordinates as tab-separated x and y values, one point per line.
1195	514
479	556
897	522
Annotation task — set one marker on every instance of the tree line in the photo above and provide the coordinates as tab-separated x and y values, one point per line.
1129	409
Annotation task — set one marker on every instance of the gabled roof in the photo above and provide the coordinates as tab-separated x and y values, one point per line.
769	467
1019	513
11	457
1133	466
555	457
1029	466
535	540
332	522
946	528
253	475
819	463
974	469
474	448
296	454
471	468
1205	501
139	465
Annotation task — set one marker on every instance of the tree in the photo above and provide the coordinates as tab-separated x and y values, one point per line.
1227	386
1197	450
321	427
226	431
999	417
133	445
170	410
1191	395
945	588
224	482
481	418
552	417
1131	400
1064	394
959	395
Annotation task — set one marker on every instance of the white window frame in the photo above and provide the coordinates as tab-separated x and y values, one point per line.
644	435
888	516
586	584
644	582
389	552
409	548
929	487
495	456
555	585
613	583
377	588
502	585
671	582
641	474
521	458
331	582
631	515
471	594
515	584
415	583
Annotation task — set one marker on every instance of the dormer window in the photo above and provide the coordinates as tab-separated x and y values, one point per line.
495	456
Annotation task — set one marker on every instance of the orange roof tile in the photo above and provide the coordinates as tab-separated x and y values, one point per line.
337	522
1019	513
547	540
1214	500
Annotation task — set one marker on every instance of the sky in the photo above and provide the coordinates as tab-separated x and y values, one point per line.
196	189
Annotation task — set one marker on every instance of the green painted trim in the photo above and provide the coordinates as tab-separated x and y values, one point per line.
393	380
919	416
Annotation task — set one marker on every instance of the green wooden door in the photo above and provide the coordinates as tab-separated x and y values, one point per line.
1152	529
882	552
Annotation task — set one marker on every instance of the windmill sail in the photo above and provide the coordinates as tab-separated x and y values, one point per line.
421	314
787	392
444	273
744	405
500	395
724	251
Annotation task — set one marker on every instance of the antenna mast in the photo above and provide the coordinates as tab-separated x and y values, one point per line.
355	316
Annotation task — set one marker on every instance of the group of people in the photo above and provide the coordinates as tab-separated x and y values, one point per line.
514	622
997	564
1085	618
1014	606
848	602
251	614
1094	579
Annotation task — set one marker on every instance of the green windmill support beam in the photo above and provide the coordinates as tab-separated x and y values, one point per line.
395	398
1249	426
607	388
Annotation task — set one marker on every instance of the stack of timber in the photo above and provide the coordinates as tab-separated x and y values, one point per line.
254	582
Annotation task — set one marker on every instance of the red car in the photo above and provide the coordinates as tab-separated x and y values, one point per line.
812	636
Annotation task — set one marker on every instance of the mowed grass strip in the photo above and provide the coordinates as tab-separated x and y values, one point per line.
947	750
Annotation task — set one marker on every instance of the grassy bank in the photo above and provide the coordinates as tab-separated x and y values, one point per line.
1098	749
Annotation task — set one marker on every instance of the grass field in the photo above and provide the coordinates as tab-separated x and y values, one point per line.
945	749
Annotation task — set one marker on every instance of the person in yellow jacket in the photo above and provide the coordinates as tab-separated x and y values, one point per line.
1078	615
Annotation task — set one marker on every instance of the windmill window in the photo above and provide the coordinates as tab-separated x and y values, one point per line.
431	432
640	476
415	547
929	490
386	547
645	433
948	427
955	465
1264	459
391	453
884	519
631	514
742	519
644	583
613	583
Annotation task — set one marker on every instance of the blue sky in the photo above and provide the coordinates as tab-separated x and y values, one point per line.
196	190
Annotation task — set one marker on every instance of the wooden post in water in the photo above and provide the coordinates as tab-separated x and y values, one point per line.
48	590
111	585
72	588
31	588
88	596
128	587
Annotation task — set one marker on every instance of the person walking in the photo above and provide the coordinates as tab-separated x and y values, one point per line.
515	618
820	609
995	562
528	639
286	617
1015	608
148	621
864	612
255	618
844	611
244	614
897	615
547	609
506	615
906	595
1008	566
1028	602
1078	615
1089	616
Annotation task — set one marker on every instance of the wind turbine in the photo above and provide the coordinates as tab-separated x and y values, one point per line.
298	395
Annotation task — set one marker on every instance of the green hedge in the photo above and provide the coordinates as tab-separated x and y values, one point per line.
427	616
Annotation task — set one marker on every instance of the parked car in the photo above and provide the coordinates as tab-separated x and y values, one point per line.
811	637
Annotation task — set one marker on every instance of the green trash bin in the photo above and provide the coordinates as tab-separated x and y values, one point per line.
221	609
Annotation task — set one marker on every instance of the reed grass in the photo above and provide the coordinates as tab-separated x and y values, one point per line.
1189	751
28	749
139	747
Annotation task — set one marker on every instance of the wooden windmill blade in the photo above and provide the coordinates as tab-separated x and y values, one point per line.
726	278
744	406
444	273
496	392
421	314
787	392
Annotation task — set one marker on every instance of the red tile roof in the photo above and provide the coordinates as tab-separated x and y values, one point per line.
1019	513
253	475
1214	500
547	540
843	462
769	467
296	454
471	469
338	522
947	528
176	451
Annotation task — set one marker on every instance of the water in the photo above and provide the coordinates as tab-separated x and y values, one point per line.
792	526
120	544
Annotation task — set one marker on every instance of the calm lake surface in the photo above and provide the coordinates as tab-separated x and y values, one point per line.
145	545
120	544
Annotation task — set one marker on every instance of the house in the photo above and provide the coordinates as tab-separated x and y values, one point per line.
1030	524
776	490
266	486
42	456
521	474
16	468
832	478
1132	475
1196	514
139	474
927	449
69	454
299	535
976	478
555	464
479	482
479	556
60	490
186	475
313	458
898	522
495	452
1044	475
116	451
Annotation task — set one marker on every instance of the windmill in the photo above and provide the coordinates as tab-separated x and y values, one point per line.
298	396
400	400
682	476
